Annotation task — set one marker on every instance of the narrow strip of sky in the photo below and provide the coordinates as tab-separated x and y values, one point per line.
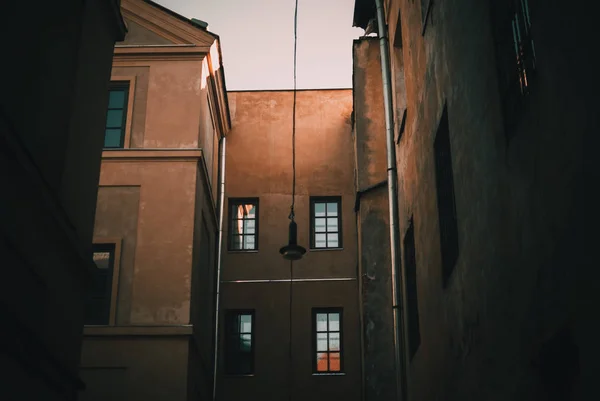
257	38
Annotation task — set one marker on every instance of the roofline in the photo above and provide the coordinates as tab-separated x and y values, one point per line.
180	17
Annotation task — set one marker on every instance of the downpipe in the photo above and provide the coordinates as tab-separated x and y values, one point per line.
221	211
392	183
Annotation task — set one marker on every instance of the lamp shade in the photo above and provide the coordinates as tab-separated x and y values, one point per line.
292	251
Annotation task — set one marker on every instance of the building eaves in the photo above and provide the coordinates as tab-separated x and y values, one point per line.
196	23
364	10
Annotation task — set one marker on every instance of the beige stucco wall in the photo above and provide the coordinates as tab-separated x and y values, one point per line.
259	164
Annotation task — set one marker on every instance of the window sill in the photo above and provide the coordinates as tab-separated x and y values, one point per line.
325	249
242	251
330	374
232	375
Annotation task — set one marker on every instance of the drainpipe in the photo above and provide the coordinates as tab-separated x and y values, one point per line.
221	210
392	183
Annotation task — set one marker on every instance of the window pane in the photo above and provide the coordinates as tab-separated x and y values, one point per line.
334	342
334	362
236	227
114	118
245	342
321	322
112	138
249	242
322	342
320	225
116	99
319	210
334	322
249	226
236	242
245	323
101	287
332	209
102	260
321	362
320	241
250	210
332	224
332	240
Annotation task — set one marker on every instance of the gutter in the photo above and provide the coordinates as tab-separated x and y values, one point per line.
221	210
392	183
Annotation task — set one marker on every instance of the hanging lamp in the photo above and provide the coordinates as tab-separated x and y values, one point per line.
293	251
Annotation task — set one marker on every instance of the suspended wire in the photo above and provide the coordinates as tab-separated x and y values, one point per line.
294	116
291	370
290	355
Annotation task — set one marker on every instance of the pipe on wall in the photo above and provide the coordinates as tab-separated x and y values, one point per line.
392	184
221	211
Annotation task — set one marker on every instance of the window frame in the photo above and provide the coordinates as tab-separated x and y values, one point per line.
100	242
314	333
128	82
229	315
325	199
239	201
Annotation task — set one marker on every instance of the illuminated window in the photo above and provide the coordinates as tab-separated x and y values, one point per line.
239	342
116	116
327	328
326	223
243	227
97	307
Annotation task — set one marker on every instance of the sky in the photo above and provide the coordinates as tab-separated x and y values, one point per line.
257	40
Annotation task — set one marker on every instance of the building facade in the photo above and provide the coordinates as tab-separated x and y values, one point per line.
290	330
149	330
490	121
51	130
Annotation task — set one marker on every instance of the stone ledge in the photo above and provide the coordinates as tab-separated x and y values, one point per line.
179	330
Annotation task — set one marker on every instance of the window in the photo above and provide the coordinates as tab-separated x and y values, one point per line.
410	264
444	178
244	224
425	9
515	54
98	302
116	116
398	31
239	342
326	223
327	340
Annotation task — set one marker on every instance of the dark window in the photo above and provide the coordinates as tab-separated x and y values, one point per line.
97	311
515	56
425	9
243	227
444	178
116	116
410	264
327	329
326	223
398	32
239	342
